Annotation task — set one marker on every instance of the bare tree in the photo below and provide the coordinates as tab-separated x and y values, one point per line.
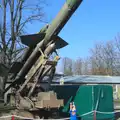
86	66
97	61
109	57
67	66
117	55
17	14
78	67
103	59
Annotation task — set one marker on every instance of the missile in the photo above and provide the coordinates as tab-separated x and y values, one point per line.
47	36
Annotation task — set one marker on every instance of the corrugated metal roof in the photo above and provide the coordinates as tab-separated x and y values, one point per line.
91	79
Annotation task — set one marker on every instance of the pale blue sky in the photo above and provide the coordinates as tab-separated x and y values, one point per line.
94	20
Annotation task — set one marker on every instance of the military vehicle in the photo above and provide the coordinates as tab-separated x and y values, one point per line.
23	93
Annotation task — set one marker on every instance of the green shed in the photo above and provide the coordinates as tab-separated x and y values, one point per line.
88	98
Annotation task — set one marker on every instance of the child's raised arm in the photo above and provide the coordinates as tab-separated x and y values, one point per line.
70	106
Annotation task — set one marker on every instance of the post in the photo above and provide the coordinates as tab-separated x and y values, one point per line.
94	114
12	117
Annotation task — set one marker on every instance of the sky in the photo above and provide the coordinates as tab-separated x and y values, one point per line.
94	21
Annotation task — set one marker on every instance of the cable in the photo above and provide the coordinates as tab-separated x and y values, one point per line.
40	119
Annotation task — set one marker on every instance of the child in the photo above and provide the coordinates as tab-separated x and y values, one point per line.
72	112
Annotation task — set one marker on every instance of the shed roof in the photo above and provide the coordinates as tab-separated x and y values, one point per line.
90	79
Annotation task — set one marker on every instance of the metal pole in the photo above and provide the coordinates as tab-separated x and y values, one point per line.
12	117
94	114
